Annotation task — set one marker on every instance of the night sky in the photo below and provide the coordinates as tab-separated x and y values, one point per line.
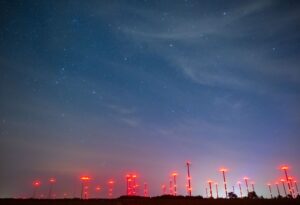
104	88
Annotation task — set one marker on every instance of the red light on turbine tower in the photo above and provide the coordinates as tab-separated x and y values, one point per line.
189	186
98	189
134	184
85	178
285	168
246	182
128	180
110	188
51	181
174	174
130	191
171	186
36	185
146	194
84	186
223	170
292	185
131	184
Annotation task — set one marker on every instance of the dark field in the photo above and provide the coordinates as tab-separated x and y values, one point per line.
149	201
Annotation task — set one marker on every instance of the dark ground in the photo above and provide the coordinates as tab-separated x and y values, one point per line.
150	201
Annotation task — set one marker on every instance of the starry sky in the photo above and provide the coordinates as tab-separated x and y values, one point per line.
104	88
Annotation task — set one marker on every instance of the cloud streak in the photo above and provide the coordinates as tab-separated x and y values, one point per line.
218	50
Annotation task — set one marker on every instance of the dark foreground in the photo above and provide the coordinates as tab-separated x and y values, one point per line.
150	201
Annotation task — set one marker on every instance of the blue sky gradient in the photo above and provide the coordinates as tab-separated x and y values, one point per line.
108	87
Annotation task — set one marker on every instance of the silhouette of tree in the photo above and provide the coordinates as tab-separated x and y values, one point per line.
252	195
232	195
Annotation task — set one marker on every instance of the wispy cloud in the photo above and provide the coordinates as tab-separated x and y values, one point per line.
121	109
124	114
162	25
133	122
217	50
